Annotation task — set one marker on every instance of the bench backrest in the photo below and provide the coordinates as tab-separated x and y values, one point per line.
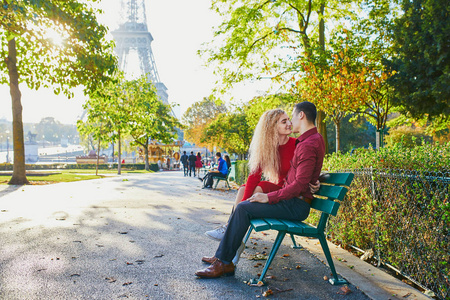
332	188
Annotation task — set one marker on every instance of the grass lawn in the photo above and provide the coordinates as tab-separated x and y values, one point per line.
69	175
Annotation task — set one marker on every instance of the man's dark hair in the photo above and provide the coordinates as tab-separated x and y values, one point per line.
219	154
192	152
184	152
308	108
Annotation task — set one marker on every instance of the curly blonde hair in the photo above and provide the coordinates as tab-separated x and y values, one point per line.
263	151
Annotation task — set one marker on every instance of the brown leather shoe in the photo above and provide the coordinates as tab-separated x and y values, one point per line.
209	260
217	269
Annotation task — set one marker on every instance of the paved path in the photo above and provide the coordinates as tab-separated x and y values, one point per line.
135	237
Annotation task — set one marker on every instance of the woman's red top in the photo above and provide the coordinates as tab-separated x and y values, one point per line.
286	153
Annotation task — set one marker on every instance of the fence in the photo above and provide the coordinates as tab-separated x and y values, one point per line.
404	217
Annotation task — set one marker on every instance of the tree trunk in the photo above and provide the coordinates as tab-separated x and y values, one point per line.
119	155
321	126
19	172
113	152
98	157
146	156
338	137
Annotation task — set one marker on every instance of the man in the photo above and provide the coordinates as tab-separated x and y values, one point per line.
192	158
284	203
184	161
222	171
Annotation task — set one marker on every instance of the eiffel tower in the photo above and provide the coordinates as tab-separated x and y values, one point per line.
133	37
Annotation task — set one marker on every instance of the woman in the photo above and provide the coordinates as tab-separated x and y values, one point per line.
228	161
270	153
198	164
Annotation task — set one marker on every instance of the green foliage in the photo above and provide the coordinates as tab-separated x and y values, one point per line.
84	57
230	131
398	205
422	61
407	137
258	105
259	38
241	171
427	157
438	127
147	117
198	116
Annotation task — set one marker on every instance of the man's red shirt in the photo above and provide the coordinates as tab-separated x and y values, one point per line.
305	167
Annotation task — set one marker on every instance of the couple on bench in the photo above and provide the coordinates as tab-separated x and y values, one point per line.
291	168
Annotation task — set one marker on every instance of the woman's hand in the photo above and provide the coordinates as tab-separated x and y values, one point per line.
314	187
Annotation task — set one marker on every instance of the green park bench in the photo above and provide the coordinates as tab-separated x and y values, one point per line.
222	179
332	188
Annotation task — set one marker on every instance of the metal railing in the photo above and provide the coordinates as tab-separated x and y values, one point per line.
404	217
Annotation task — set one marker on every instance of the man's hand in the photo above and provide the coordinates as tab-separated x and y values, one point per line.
259	197
314	187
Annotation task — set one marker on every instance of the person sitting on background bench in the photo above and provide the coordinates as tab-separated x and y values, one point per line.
283	203
222	171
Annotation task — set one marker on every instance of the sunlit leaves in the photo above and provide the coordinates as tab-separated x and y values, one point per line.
260	38
84	57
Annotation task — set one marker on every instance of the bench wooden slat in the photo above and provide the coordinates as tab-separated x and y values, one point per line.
332	192
291	225
326	206
337	178
276	224
259	225
305	228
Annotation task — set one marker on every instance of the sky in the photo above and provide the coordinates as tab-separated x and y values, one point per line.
179	28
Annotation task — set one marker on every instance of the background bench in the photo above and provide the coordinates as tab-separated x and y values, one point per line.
222	178
331	191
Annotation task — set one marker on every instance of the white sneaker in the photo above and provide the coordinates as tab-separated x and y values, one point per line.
218	233
238	253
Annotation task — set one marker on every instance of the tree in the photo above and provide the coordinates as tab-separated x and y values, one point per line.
335	88
258	105
148	117
264	38
29	56
108	113
230	131
198	116
422	63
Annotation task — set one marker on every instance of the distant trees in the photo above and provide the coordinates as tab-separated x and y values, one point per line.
52	130
198	116
230	129
56	44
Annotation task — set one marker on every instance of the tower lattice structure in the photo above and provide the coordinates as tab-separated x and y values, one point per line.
133	36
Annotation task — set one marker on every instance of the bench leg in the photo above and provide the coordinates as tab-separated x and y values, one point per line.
326	251
217	182
295	246
248	234
272	254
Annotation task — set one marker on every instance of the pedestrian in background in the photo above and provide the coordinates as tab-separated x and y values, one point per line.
192	159
185	162
198	164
